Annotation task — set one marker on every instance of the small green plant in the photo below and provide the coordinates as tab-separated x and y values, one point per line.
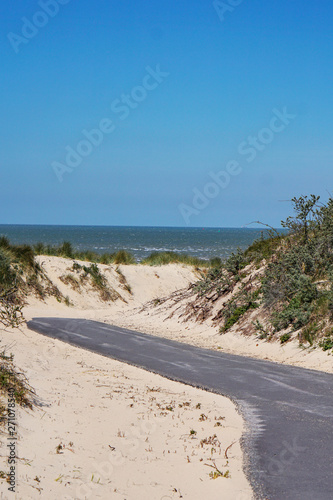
309	333
67	301
217	472
326	343
260	329
285	337
66	250
238	306
193	432
235	262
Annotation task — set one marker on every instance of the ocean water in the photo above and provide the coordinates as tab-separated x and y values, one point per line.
140	241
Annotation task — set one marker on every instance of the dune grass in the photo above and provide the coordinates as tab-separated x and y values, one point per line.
17	268
66	250
163	258
123	257
12	380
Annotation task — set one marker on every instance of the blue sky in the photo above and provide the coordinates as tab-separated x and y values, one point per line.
225	70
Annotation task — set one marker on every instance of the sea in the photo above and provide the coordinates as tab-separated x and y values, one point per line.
204	243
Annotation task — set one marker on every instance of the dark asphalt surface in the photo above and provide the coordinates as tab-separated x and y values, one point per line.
289	411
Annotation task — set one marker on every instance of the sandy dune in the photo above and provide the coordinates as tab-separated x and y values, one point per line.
103	429
149	283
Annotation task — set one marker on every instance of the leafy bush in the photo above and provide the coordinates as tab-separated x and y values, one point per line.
263	248
235	262
326	343
309	333
285	337
238	306
215	281
16	262
215	262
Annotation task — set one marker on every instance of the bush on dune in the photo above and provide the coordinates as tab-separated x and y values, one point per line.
296	284
16	264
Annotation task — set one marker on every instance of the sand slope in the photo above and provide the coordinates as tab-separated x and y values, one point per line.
152	283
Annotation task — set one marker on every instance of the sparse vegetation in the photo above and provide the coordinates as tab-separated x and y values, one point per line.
19	274
66	250
238	306
98	280
284	280
163	258
285	337
15	383
260	329
123	257
326	343
123	281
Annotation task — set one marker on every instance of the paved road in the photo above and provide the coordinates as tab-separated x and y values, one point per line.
289	411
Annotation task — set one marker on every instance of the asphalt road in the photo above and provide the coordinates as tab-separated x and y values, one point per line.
289	411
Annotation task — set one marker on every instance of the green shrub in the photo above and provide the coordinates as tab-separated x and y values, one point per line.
263	248
285	337
235	262
215	263
238	306
309	333
260	329
326	343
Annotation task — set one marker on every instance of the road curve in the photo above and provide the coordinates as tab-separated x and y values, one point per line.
289	411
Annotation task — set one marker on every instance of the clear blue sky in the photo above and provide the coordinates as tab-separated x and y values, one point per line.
226	75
